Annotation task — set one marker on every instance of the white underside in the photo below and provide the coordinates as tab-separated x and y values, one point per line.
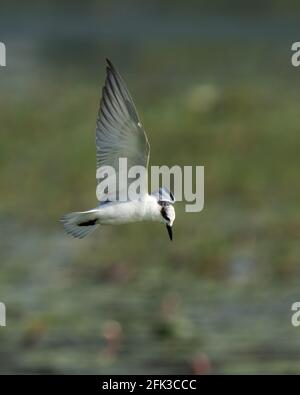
115	213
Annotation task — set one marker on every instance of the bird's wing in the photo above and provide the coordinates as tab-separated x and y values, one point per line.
119	132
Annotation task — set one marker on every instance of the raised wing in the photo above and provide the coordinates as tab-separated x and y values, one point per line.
119	132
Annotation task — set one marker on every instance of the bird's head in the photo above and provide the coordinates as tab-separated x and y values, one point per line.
167	212
165	200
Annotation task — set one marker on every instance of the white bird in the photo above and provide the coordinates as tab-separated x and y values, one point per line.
120	134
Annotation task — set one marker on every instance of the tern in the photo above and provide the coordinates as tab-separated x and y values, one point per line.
120	134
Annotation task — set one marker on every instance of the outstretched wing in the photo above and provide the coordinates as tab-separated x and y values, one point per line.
119	132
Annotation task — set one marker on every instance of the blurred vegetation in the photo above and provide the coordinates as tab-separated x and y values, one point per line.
213	91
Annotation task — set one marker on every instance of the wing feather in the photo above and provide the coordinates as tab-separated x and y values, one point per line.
119	132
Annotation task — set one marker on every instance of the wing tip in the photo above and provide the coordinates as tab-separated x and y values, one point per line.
111	71
109	64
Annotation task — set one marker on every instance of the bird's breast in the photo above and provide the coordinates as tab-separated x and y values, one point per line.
120	213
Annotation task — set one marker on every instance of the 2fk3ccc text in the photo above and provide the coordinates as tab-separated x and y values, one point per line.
171	384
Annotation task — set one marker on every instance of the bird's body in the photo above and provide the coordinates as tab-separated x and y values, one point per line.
115	213
119	134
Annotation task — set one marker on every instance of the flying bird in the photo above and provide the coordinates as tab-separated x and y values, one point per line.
120	134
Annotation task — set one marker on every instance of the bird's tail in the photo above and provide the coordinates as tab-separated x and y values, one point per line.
80	224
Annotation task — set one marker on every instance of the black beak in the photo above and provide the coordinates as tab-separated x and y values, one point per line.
170	231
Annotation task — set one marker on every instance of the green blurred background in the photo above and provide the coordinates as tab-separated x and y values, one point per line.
214	86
